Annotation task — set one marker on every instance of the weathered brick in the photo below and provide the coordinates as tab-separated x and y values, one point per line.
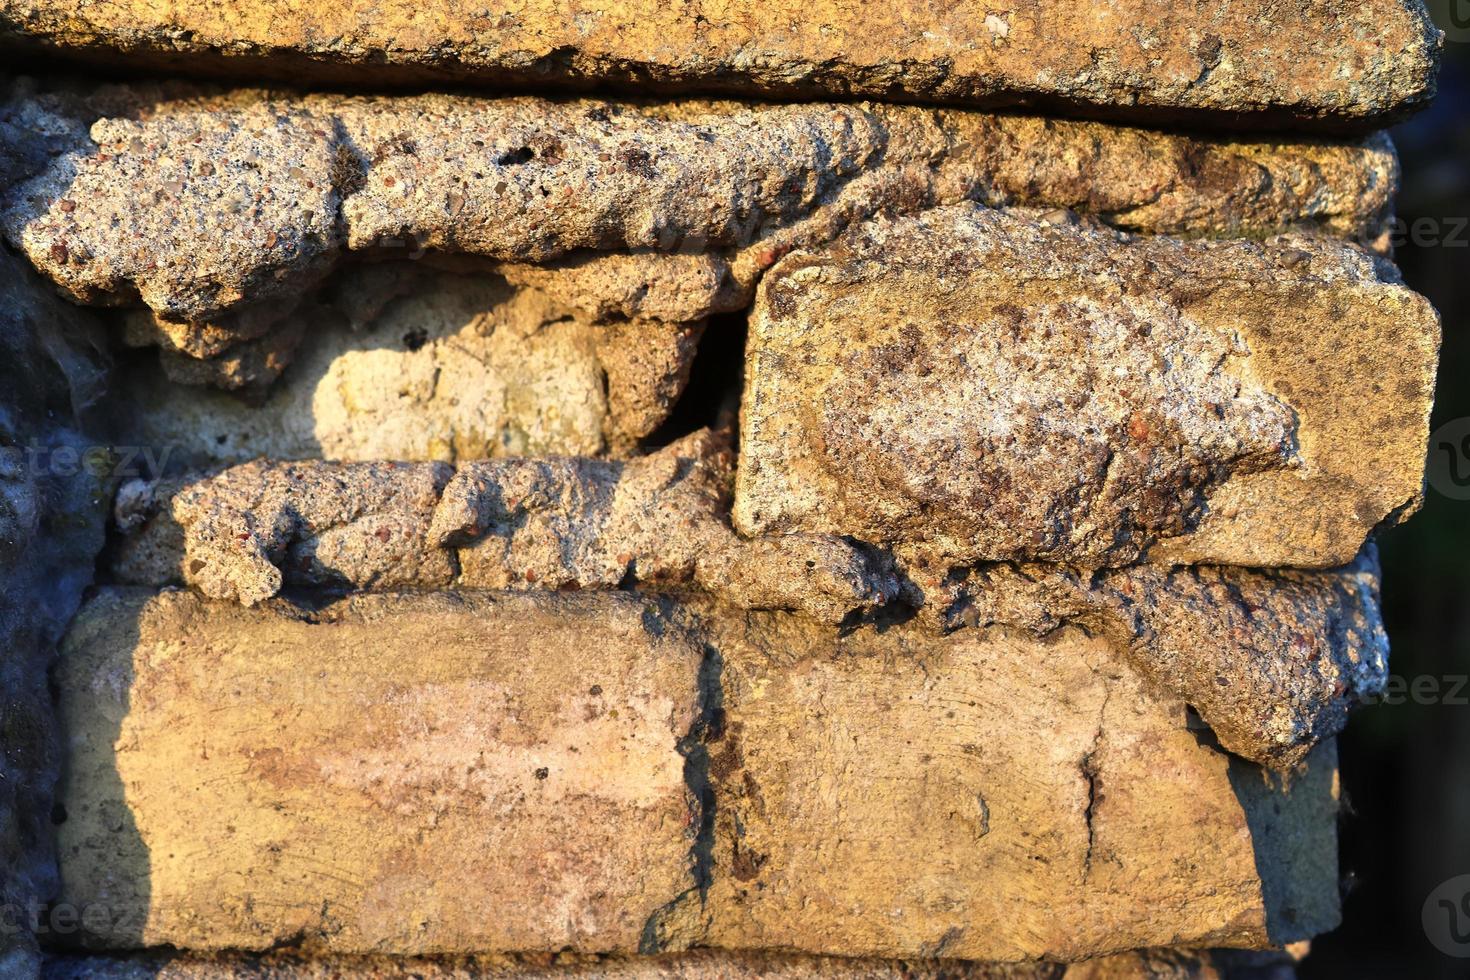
535	524
990	795
405	362
418	774
312	523
1245	61
1272	660
499	771
701	965
239	202
973	384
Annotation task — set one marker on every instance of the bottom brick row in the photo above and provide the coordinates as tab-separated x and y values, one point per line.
616	773
702	965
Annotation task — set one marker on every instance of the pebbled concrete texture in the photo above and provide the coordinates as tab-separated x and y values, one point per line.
1246	62
238	203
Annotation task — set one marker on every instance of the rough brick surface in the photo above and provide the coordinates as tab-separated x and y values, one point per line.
530	524
219	213
460	366
583	523
238	201
389	774
510	771
993	796
972	384
363	525
270	189
703	965
1246	60
1273	661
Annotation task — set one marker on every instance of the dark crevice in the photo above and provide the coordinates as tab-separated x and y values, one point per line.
1089	772
712	396
669	926
1093	775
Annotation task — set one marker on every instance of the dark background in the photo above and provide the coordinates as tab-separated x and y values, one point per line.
1406	766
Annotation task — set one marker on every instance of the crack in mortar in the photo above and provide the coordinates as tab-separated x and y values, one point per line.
677	925
1092	774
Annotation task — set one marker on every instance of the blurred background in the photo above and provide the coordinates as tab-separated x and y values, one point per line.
1406	765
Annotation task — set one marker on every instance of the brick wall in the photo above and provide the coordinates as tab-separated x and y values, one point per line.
634	490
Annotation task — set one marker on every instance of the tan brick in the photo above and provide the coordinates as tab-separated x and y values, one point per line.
993	796
411	774
500	772
1272	660
971	384
1244	61
667	211
435	366
701	965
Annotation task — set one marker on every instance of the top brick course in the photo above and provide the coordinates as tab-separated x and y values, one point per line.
1238	62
